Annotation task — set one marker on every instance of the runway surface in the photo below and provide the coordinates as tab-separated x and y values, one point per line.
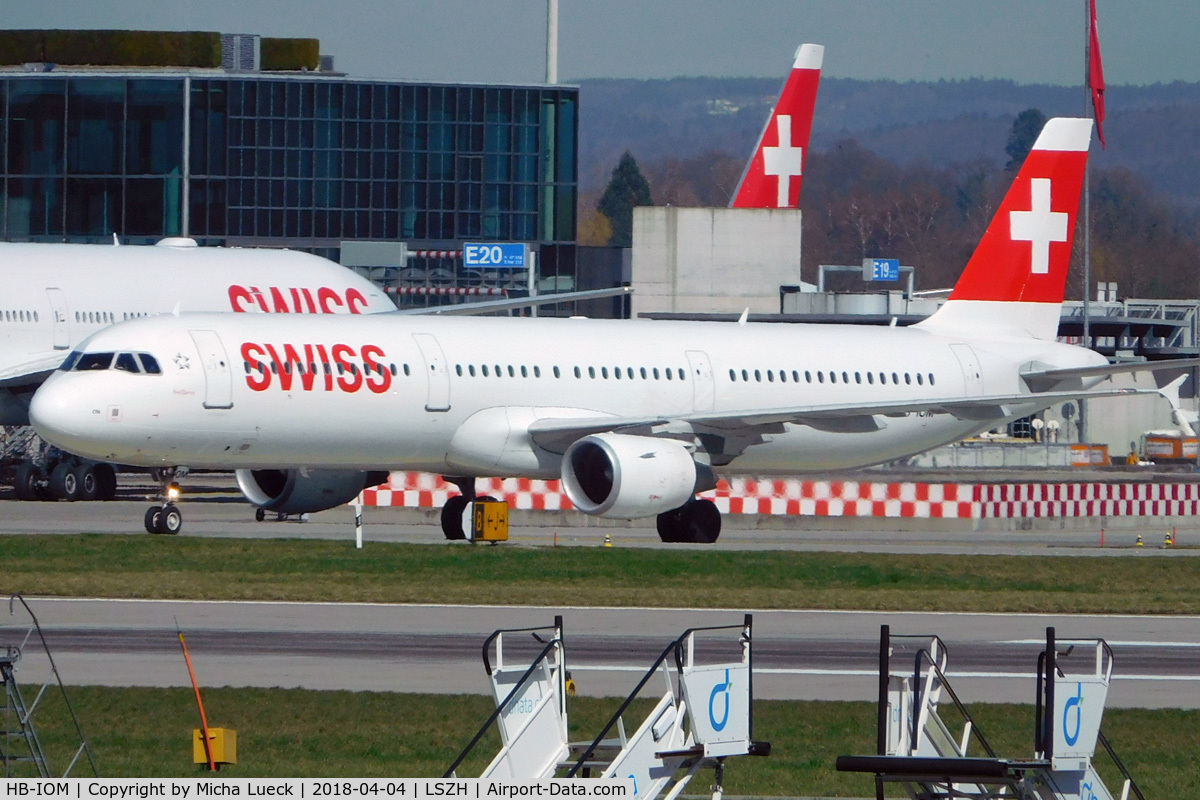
436	649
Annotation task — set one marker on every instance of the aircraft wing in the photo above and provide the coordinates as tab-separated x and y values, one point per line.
1040	380
558	433
33	369
488	306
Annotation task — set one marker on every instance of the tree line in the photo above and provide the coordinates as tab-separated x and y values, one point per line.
857	204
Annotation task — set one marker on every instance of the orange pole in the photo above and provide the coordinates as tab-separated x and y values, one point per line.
203	721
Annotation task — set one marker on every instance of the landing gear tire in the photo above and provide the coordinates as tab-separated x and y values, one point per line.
63	483
259	515
85	479
452	517
153	514
106	481
669	526
698	521
701	522
170	521
27	481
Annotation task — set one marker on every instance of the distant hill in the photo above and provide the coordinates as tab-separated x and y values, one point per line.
1154	131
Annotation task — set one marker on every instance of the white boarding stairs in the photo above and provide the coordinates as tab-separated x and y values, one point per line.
917	749
531	709
704	715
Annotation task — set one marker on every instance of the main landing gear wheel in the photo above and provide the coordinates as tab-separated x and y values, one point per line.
85	479
698	521
28	481
452	514
64	483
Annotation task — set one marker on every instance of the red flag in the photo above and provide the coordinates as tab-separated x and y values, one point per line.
1096	73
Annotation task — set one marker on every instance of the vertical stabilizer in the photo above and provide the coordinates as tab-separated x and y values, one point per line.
1017	276
772	178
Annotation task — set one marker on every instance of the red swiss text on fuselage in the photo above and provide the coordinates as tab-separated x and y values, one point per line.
316	367
296	300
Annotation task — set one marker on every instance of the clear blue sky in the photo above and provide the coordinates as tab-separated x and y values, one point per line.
1028	41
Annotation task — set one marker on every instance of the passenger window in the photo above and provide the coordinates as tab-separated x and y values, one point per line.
931	379
617	373
577	373
770	376
592	372
499	374
895	378
511	372
644	373
858	377
871	378
907	378
833	377
629	373
732	376
149	364
524	372
406	370
470	370
745	375
667	373
126	362
783	376
654	371
604	372
820	376
537	371
458	369
94	361
845	377
484	369
807	376
920	379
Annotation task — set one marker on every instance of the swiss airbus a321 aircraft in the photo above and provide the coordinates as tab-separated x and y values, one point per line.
56	295
773	174
634	416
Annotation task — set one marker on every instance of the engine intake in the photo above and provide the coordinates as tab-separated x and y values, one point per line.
628	477
294	491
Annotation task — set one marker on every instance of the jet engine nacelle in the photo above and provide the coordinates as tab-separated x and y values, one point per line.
628	477
296	491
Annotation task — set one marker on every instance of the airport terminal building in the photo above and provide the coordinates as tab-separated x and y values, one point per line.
237	153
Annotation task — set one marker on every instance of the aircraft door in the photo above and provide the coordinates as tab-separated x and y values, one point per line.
703	390
972	372
58	303
218	377
438	396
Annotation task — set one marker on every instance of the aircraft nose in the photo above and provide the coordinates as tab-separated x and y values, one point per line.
60	414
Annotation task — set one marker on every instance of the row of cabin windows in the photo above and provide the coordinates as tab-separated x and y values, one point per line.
95	317
19	316
604	373
871	377
322	367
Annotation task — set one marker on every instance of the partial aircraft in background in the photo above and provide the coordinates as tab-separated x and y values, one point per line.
635	416
773	174
56	295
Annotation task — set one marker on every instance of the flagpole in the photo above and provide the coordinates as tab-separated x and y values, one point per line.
1087	215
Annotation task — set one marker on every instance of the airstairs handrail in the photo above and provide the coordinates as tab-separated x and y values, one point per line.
1108	748
83	748
674	647
885	638
549	647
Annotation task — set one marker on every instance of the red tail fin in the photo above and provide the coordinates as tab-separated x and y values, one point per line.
1018	274
772	178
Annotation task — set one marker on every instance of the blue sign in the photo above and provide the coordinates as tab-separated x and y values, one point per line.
496	255
885	269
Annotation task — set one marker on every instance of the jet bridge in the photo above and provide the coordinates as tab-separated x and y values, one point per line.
917	746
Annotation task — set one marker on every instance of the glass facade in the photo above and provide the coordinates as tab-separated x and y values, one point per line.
301	162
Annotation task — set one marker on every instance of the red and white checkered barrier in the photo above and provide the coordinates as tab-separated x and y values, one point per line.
808	498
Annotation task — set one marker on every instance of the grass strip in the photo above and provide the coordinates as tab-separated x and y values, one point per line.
288	569
299	733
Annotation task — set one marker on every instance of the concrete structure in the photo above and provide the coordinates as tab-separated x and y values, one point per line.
694	260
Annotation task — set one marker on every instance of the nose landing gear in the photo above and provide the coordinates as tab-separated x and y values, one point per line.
165	517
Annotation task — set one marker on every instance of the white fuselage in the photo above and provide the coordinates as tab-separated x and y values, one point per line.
56	295
457	395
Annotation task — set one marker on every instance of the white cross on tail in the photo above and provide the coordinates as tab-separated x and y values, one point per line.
783	161
1039	226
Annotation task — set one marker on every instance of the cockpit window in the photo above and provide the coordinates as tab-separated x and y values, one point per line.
69	363
94	361
126	362
149	363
